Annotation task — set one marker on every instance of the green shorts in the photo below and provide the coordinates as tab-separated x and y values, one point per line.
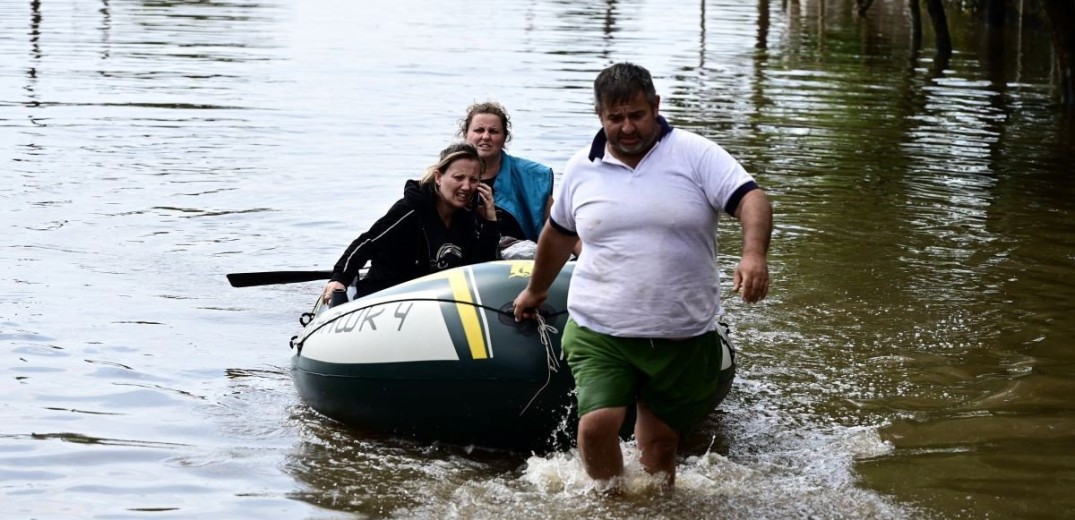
679	381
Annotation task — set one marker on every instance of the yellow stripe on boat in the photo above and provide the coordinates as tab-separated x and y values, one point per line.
482	316
468	313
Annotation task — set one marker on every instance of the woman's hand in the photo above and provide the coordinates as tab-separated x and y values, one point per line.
485	206
326	296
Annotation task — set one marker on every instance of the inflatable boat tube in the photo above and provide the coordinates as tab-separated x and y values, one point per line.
441	358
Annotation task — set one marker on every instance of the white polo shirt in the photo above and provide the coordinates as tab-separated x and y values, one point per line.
648	267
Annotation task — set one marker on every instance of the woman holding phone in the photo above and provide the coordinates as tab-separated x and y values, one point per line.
441	222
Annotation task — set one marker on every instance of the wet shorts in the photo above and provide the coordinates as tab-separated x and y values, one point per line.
678	380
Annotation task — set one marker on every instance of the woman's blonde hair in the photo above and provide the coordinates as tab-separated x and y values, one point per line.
448	156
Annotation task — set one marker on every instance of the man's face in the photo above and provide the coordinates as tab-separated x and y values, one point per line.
631	128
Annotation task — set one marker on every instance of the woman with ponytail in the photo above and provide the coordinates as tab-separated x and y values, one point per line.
446	219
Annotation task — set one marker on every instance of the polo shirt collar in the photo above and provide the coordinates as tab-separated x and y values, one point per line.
597	148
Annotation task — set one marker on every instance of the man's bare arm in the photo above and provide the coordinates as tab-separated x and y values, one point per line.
553	250
752	274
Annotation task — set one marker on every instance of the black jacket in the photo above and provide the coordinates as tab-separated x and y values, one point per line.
411	241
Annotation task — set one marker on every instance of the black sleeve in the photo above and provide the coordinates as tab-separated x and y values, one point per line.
486	242
365	247
509	226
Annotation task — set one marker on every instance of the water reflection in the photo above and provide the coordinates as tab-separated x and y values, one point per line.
35	55
913	359
349	471
106	29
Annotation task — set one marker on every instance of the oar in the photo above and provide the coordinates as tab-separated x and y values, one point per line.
276	277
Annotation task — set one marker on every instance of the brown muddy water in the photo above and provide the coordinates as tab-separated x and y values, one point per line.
914	359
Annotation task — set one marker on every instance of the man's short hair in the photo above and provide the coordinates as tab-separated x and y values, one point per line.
619	83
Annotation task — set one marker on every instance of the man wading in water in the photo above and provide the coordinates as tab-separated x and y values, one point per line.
645	293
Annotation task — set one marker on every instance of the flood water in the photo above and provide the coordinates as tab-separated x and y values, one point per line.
914	358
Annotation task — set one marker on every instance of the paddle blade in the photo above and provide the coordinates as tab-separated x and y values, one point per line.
276	277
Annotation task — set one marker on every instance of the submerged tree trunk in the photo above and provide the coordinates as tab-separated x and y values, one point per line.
995	12
916	25
1062	20
863	6
940	29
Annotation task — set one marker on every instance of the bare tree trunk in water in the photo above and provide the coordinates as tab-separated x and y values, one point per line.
941	32
863	5
916	25
995	11
1062	19
762	42
940	29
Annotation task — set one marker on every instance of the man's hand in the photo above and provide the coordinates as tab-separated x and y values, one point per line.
527	304
751	278
752	274
553	249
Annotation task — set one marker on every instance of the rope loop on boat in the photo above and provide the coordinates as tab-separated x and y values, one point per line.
552	363
544	332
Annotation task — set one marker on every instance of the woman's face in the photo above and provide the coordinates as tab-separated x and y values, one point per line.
486	133
458	182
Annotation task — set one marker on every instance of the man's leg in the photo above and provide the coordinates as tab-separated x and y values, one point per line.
658	442
599	442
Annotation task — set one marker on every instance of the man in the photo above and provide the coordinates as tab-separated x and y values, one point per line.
644	198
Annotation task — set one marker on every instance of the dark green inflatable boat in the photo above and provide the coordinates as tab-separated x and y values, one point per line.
441	358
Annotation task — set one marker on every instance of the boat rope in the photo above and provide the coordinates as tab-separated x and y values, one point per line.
551	361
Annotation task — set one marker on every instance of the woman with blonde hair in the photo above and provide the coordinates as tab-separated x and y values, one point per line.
444	220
